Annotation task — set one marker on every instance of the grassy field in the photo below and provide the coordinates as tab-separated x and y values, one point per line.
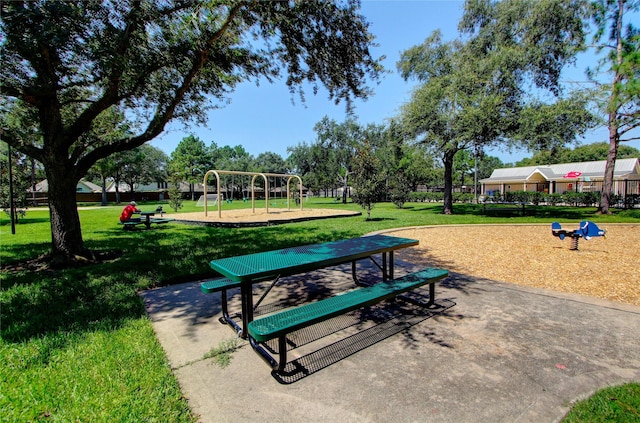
76	344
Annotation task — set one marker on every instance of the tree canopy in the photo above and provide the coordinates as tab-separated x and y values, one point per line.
65	63
585	153
474	89
368	182
464	102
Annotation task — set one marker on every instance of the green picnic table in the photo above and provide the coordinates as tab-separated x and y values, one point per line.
249	269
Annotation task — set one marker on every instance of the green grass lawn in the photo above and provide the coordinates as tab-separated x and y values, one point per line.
76	344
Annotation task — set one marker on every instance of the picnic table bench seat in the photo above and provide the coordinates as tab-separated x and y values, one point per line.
216	285
160	220
279	324
130	224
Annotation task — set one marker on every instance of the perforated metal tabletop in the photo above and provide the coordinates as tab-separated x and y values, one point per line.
290	261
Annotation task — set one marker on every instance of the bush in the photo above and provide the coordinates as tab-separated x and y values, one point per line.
426	197
399	190
572	198
175	195
569	197
628	202
591	198
553	199
462	197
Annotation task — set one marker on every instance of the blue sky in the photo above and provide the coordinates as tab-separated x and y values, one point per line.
264	119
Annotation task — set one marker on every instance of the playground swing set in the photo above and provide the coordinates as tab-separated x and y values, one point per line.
219	197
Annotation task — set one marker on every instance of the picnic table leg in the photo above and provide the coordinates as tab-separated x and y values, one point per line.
226	319
273	363
247	308
282	352
386	268
420	303
354	275
432	294
273	283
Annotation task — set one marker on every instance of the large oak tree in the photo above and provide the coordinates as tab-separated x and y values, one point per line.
547	34
67	62
474	89
465	101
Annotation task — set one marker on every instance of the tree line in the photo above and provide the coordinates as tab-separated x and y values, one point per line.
82	81
325	165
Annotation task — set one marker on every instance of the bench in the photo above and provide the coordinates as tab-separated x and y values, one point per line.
131	224
128	225
159	221
217	285
280	324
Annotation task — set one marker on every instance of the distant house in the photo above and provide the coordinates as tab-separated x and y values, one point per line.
89	192
82	186
124	187
558	178
40	194
155	191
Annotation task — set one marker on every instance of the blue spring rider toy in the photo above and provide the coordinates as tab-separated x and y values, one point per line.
587	231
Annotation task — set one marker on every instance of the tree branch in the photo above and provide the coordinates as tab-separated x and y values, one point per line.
16	142
110	94
160	119
156	126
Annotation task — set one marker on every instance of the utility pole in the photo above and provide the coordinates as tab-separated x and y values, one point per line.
475	173
12	207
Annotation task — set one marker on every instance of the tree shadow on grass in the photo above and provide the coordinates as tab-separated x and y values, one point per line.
104	296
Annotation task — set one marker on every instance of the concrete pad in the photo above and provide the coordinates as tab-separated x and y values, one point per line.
502	353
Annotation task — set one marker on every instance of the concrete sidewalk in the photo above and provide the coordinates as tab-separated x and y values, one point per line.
502	353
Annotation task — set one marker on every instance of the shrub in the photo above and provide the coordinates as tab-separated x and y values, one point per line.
553	199
426	197
462	197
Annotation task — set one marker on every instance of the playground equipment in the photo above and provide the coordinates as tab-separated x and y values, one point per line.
587	230
210	199
254	176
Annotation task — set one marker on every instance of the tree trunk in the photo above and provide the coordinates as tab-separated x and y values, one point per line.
117	185
448	181
104	191
607	182
345	185
66	234
614	124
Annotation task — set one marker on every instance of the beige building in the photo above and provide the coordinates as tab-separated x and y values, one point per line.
560	178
